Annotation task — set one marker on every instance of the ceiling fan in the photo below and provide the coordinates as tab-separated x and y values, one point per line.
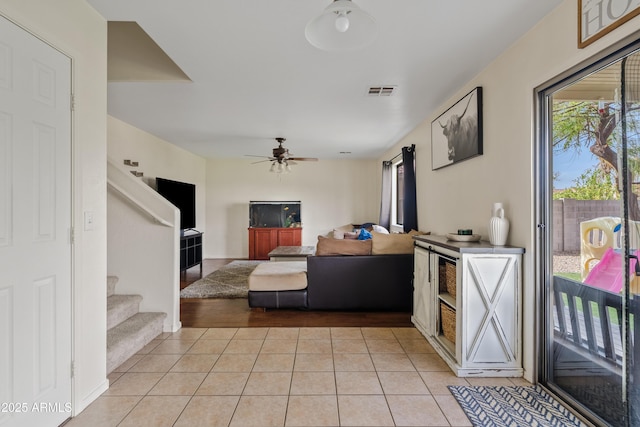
281	159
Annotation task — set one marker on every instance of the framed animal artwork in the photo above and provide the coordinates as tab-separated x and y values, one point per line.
456	134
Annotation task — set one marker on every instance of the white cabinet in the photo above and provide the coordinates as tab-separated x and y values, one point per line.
422	294
467	303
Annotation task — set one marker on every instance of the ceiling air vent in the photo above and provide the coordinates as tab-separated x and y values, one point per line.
382	90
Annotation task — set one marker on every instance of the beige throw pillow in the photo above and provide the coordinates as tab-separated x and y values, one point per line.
394	243
327	246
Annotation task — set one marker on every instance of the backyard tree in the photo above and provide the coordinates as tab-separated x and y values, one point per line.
593	125
593	184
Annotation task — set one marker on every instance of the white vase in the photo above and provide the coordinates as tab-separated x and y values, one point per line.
498	226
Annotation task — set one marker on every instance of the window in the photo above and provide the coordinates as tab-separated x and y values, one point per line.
397	214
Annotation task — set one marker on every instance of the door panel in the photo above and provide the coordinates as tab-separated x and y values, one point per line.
422	294
591	126
6	177
35	224
6	346
290	237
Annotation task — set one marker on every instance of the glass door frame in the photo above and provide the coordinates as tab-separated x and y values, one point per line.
543	226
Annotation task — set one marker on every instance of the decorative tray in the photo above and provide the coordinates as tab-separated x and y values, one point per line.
463	237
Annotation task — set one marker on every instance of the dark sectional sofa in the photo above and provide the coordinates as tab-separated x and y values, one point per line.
348	275
360	282
349	283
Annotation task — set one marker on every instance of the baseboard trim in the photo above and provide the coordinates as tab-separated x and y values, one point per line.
172	328
87	400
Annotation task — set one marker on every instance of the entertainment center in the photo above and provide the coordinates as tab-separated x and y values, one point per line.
190	250
183	196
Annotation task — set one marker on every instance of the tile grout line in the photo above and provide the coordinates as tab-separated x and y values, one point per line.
211	371
295	356
199	385
146	394
382	388
335	378
332	347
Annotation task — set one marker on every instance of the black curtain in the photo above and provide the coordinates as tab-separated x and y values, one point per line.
410	221
385	200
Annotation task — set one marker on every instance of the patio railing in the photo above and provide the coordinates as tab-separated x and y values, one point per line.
589	320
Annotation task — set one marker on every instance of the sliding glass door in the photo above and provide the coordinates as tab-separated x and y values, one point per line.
589	237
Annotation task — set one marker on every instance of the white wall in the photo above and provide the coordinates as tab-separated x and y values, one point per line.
143	244
332	192
466	191
144	255
79	31
147	243
158	158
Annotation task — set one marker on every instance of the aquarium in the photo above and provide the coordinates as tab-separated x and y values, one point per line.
274	214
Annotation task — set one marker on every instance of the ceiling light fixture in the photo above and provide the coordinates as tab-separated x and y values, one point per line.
280	166
342	26
281	160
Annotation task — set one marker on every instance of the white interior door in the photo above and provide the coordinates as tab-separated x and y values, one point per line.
35	223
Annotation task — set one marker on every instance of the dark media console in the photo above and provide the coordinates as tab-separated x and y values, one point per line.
190	250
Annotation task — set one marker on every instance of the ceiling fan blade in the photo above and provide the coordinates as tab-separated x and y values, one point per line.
252	155
304	159
262	161
291	162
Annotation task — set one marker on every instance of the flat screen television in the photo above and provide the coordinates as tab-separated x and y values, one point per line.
183	196
274	214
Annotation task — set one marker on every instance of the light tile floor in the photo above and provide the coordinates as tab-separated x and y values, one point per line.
283	377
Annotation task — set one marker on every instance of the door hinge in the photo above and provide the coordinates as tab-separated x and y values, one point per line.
73	102
72	235
73	368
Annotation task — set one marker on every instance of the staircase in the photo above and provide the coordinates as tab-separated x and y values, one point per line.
128	330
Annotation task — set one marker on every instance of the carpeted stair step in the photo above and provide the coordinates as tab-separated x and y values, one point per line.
121	307
111	285
130	336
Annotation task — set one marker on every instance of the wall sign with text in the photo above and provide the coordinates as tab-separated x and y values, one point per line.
598	17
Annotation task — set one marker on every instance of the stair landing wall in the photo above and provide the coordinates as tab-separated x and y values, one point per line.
144	254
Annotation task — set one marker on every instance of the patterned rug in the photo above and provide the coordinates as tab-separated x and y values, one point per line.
229	281
602	395
512	407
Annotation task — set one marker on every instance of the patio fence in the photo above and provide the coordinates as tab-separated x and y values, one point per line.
569	213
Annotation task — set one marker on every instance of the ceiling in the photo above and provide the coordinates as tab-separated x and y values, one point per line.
250	75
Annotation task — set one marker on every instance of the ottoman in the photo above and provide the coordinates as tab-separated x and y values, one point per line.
279	285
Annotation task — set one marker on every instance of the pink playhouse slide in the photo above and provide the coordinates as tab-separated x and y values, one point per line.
607	274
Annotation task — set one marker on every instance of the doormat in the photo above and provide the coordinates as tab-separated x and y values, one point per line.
512	406
229	281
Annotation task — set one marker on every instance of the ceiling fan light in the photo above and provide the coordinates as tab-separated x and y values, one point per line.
342	22
325	31
273	167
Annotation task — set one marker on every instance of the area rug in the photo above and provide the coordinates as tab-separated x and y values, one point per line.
229	281
512	407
